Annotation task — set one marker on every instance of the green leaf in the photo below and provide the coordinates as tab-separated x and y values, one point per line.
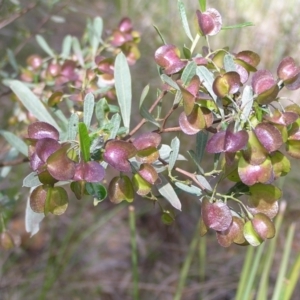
97	190
31	102
88	109
15	141
193	156
143	111
12	60
203	181
202	4
160	35
123	87
175	144
77	50
188	73
165	78
72	127
247	102
191	189
201	140
101	111
167	191
241	25
95	34
44	45
115	122
207	78
251	235
184	20
32	219
177	98
229	64
85	142
31	180
66	47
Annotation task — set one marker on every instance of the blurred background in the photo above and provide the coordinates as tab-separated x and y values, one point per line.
86	252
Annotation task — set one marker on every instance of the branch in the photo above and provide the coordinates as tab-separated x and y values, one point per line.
143	121
14	162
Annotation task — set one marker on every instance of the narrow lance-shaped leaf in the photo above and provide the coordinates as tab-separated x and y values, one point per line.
208	78
188	72
202	4
77	50
88	109
123	87
201	140
195	160
115	121
191	189
72	127
12	60
84	141
160	35
15	141
247	101
31	102
175	144
143	111
44	45
66	47
165	78
167	191
184	20
95	34
32	219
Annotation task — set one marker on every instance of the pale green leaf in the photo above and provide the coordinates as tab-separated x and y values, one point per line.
88	109
73	127
188	73
44	45
123	87
115	122
207	79
184	20
77	50
143	111
15	141
95	34
31	180
167	191
31	102
175	145
12	60
32	219
203	181
66	47
101	111
191	189
229	64
165	78
247	102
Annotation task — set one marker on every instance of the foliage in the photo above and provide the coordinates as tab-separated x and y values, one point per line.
76	134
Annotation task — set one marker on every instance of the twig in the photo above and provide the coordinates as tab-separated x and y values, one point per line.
143	121
14	162
17	15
